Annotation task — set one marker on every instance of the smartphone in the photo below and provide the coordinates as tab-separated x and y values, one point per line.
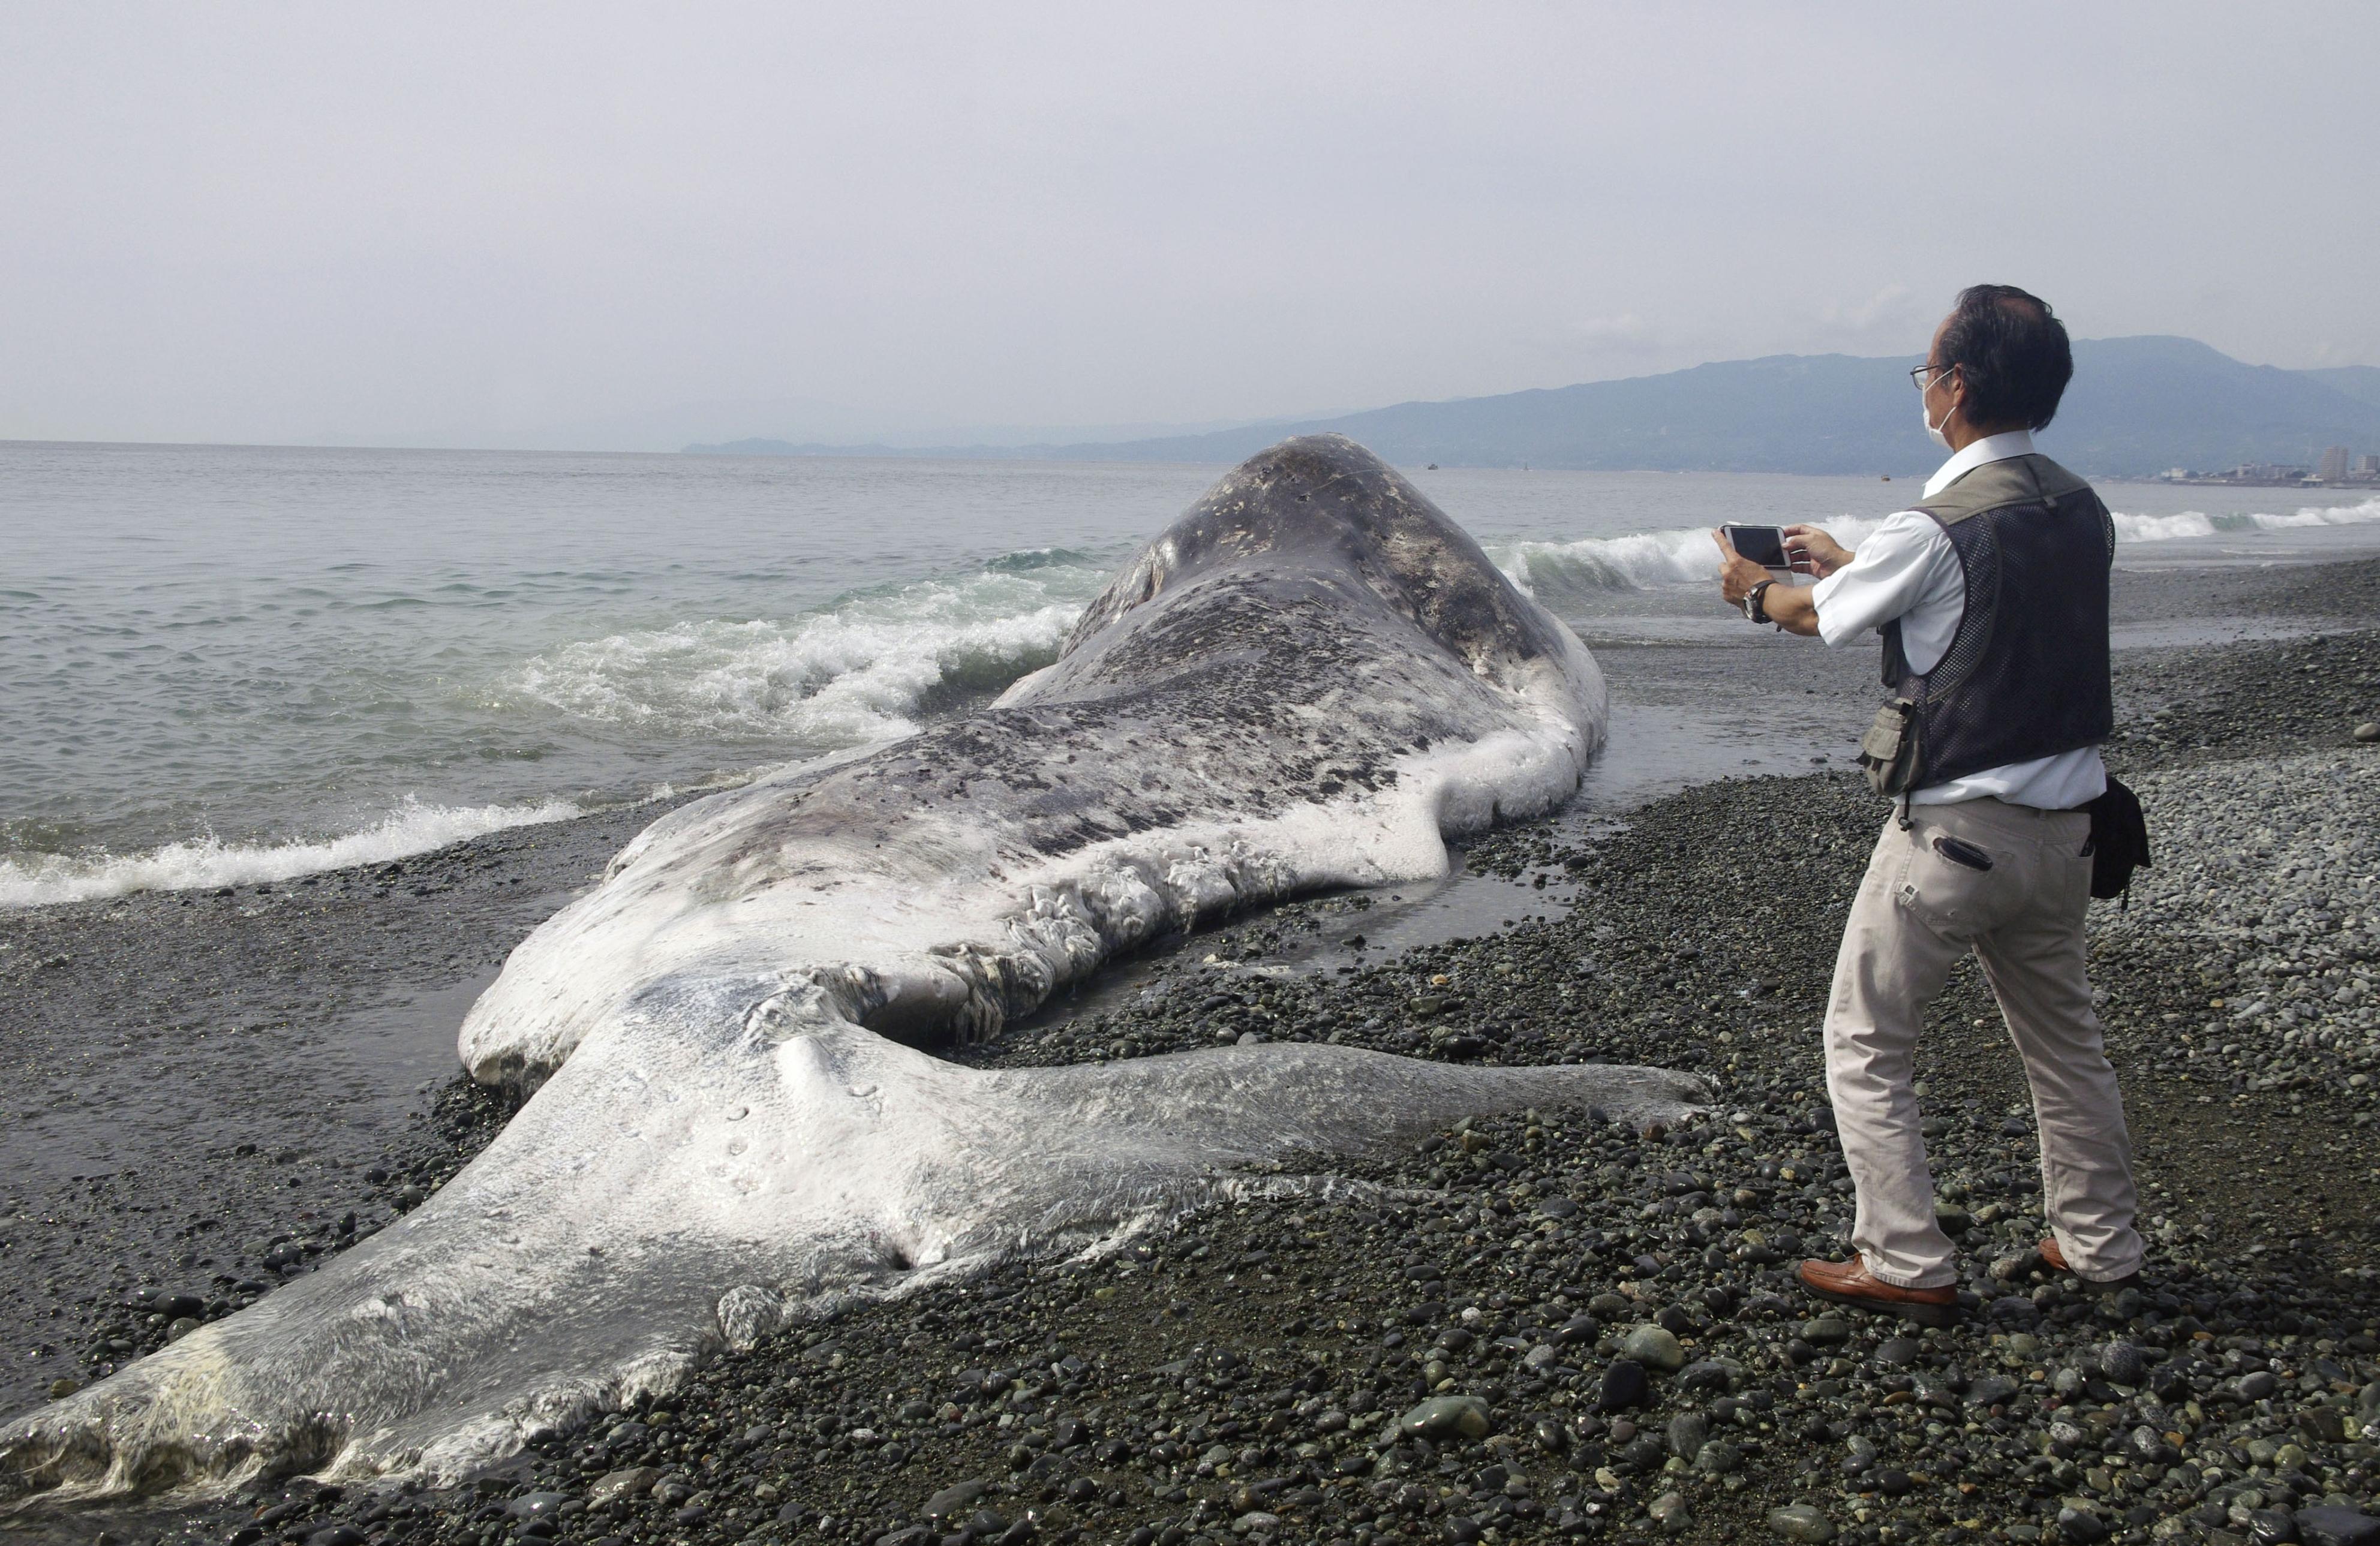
1763	544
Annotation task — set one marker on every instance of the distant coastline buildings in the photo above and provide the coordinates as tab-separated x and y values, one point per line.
2339	468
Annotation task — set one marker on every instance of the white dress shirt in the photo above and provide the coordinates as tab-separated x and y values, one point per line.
1907	569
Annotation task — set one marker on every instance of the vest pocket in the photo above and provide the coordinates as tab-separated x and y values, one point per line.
1889	751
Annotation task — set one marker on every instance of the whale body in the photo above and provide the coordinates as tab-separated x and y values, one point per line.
1312	679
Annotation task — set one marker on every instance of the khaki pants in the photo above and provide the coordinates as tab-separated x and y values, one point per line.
1917	914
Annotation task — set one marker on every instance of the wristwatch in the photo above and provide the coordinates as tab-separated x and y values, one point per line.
1752	607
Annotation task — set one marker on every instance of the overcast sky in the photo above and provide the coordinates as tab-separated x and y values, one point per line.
634	226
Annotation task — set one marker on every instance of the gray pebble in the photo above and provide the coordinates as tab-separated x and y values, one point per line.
2328	1525
1442	1416
1990	1390
1801	1522
1711	1374
2123	1364
2271	1526
1655	1348
2081	1527
633	1482
1899	1352
956	1499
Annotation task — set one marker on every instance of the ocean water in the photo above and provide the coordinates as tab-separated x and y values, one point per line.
231	664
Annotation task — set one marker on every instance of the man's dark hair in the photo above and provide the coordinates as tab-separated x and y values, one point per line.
2012	354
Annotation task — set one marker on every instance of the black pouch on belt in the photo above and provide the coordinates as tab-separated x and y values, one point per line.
1889	751
2120	841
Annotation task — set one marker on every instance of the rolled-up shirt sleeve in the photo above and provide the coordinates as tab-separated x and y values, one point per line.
1904	562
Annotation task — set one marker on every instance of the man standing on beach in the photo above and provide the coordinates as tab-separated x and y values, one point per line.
1992	598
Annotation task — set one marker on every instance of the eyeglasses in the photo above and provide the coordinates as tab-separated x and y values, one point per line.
1918	375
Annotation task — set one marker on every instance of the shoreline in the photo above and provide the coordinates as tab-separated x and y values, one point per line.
1741	1006
2241	595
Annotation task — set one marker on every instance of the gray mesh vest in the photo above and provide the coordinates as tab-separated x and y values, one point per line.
2026	673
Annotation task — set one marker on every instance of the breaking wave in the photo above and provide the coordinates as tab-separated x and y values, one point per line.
39	879
859	671
1642	561
1652	560
2192	523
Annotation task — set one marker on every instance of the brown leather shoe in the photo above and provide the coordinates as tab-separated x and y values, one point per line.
2055	1260
1851	1283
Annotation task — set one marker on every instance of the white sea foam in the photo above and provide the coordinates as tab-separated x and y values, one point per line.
2194	522
1644	560
37	879
855	672
1640	561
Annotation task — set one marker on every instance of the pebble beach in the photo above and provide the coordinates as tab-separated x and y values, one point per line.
1549	1327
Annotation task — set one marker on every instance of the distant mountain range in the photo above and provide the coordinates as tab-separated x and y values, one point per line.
2359	381
2137	406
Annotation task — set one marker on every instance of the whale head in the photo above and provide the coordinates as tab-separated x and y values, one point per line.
1321	505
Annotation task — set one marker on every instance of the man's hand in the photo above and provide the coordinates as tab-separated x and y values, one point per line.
1814	552
1788	607
1737	575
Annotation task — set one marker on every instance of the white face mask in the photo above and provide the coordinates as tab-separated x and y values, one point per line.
1940	431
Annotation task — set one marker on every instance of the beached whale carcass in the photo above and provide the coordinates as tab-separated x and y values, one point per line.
1310	680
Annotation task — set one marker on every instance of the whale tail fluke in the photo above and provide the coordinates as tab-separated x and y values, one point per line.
417	1351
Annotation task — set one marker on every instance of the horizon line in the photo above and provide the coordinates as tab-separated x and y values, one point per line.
880	451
